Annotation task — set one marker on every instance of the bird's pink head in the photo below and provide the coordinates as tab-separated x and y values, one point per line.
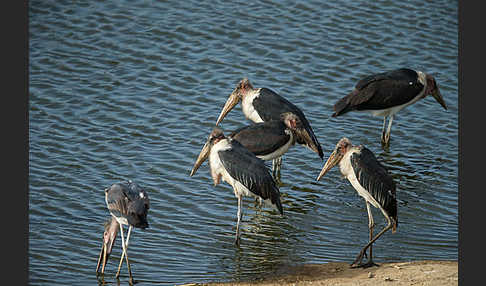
235	97
433	90
337	155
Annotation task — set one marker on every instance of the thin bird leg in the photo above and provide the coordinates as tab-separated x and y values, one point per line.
124	253
258	204
383	134
239	216
357	261
276	167
126	256
388	131
371	225
279	165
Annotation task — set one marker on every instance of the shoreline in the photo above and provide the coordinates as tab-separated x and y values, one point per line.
422	272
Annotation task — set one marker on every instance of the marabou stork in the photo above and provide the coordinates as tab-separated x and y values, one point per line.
236	165
384	94
263	104
270	139
372	182
128	204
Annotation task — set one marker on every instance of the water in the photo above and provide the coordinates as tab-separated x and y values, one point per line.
123	90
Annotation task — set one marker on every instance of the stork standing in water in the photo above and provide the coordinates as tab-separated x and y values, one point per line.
270	139
263	104
240	168
372	182
128	205
385	94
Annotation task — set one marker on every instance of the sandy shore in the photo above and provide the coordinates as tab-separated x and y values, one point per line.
427	272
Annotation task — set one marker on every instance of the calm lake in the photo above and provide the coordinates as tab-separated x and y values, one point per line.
131	90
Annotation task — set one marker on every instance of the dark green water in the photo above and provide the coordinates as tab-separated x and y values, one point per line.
130	90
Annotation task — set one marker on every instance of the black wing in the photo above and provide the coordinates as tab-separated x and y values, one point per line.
116	200
381	91
262	138
373	176
270	106
135	192
128	200
250	171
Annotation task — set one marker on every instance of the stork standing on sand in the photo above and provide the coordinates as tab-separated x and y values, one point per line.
372	182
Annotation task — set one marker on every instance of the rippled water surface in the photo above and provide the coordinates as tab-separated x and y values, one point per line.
131	89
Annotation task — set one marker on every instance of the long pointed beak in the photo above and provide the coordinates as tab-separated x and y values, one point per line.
232	100
102	257
109	238
203	155
331	162
436	94
304	135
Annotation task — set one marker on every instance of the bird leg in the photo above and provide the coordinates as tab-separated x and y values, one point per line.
126	257
357	261
383	133
386	140
371	225
124	253
258	204
239	216
276	167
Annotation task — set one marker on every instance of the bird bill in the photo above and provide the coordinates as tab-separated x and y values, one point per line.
203	155
232	100
109	237
331	162
436	94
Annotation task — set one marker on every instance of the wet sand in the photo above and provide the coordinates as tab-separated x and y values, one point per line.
428	272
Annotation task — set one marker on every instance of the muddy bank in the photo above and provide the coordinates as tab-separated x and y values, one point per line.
428	272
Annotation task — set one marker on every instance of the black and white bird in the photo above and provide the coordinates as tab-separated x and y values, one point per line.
385	94
372	182
269	140
263	104
236	165
128	204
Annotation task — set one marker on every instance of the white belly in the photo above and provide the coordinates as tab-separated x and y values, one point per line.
348	172
217	169
393	110
280	151
361	191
